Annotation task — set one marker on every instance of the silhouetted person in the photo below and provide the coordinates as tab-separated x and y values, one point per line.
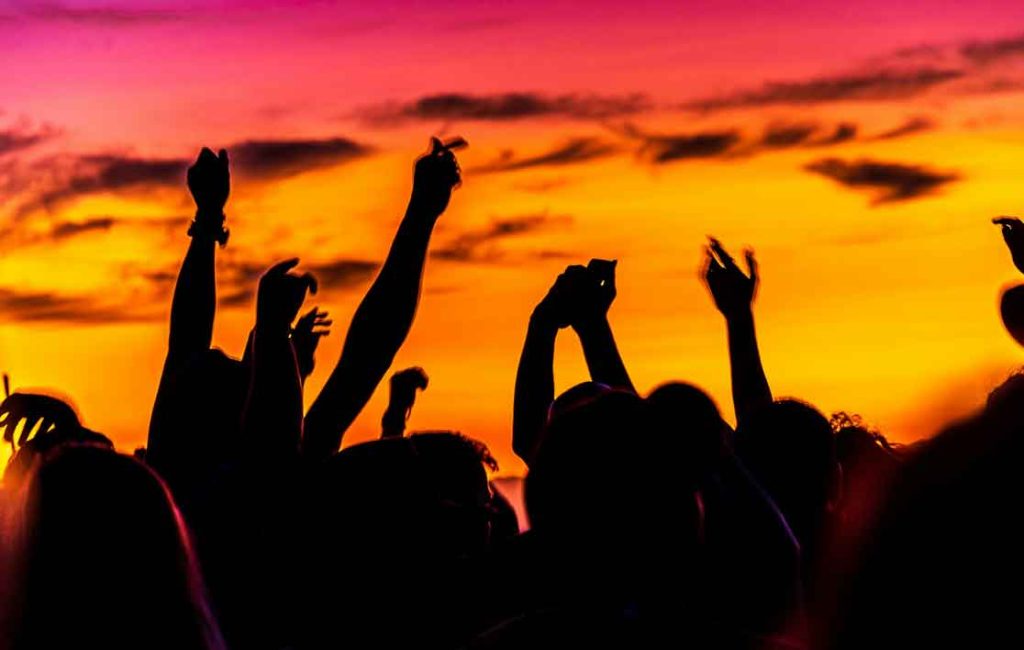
1011	303
194	430
404	385
46	423
787	445
384	317
580	298
394	530
944	565
753	559
101	560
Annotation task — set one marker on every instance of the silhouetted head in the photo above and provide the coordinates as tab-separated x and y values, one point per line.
603	484
101	559
694	429
790	449
425	493
1011	308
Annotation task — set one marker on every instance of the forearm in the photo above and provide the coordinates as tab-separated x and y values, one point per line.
272	420
378	329
602	355
195	301
535	388
750	389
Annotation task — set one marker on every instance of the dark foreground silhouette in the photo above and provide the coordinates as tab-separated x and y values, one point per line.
652	522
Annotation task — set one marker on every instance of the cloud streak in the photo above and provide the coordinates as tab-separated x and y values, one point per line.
504	107
861	86
576	150
889	182
49	307
483	245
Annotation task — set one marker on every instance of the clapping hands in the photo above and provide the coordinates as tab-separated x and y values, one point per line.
732	290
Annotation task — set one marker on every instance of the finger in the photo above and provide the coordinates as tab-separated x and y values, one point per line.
283	267
727	260
310	317
26	429
436	146
713	264
206	155
223	156
324	323
456	143
310	281
751	264
1007	222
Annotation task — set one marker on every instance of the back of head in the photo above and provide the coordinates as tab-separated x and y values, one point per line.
790	449
603	483
101	556
692	424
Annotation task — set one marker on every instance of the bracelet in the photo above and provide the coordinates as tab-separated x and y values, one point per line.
208	228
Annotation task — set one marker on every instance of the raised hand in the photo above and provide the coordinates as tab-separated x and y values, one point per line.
306	336
437	174
1013	235
49	414
561	306
732	290
281	295
593	293
404	385
209	181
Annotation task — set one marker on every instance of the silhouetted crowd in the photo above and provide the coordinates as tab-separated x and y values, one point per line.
652	522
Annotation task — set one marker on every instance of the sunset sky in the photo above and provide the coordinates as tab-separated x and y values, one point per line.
860	147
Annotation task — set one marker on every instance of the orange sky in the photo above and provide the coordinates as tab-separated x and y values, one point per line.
627	135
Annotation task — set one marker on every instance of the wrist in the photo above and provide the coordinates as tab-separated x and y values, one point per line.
742	316
591	325
209	225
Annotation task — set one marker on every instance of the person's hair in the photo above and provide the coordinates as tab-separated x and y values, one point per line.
790	448
101	559
693	427
602	476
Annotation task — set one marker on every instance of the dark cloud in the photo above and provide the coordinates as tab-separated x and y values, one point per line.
844	132
661	149
275	158
106	173
22	136
68	229
782	136
876	85
69	177
342	273
910	127
986	52
481	245
889	181
508	106
48	307
574	151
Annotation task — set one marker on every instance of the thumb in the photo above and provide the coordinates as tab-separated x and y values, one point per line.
436	146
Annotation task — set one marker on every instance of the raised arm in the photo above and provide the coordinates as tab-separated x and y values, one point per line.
733	293
195	294
383	319
404	385
597	292
272	419
535	378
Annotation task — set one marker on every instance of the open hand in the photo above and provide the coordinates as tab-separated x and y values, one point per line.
437	174
49	414
306	336
1013	235
281	295
732	290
